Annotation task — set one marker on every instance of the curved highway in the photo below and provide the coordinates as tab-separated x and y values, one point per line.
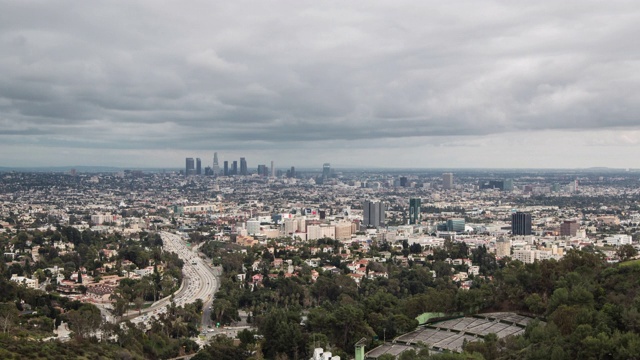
199	280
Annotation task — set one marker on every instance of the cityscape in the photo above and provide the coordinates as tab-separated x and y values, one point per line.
304	180
220	262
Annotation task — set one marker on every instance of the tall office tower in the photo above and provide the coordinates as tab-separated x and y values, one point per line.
447	181
216	166
508	185
292	172
189	167
326	170
273	170
414	211
243	166
403	181
569	228
374	213
234	168
521	223
226	168
262	170
198	166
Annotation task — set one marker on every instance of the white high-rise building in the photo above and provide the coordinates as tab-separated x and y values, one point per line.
216	166
503	248
302	223
290	226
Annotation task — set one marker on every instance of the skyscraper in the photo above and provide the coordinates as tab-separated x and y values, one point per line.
521	223
326	170
414	211
447	181
198	166
216	166
234	168
374	213
226	168
189	167
273	170
243	166
508	185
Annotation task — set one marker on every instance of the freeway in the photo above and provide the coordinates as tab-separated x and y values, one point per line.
199	280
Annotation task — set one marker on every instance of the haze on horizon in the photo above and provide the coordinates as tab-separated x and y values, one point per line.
469	84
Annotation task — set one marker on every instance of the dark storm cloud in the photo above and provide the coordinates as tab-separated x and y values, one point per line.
146	74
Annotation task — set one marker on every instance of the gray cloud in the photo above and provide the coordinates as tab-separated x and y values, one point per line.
295	75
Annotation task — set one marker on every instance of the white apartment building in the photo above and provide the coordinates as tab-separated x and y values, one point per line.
315	232
343	230
100	219
618	239
30	283
525	256
503	248
290	226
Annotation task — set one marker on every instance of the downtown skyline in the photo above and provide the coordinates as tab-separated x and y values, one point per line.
403	85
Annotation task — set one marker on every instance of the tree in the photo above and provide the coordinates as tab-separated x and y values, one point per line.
626	252
40	275
221	348
84	321
223	311
8	316
27	267
139	301
535	304
350	326
149	286
282	335
120	305
247	337
167	284
415	248
408	355
488	348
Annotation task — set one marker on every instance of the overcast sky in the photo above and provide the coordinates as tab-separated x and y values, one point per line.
360	83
